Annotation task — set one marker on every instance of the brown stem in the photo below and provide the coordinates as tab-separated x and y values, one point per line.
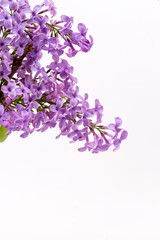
17	62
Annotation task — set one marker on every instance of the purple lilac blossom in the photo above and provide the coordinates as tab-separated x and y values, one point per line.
35	97
4	116
6	19
9	90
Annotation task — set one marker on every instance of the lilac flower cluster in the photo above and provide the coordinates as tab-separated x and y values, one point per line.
35	97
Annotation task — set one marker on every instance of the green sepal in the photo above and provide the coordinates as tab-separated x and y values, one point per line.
3	133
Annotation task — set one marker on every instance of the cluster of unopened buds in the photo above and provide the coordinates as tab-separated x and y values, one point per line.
35	97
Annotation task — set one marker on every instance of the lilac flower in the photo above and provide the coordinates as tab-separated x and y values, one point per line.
23	91
65	69
82	29
8	100
98	110
47	124
38	89
3	3
35	10
5	17
3	115
115	127
51	7
41	21
35	97
9	90
117	141
68	21
101	146
4	73
81	34
18	29
23	8
4	43
54	65
36	54
6	61
58	107
73	94
52	47
21	44
72	52
22	122
12	4
86	45
41	38
20	13
17	20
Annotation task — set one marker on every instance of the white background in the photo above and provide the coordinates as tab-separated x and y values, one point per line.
50	191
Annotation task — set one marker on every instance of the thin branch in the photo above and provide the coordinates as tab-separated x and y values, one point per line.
17	62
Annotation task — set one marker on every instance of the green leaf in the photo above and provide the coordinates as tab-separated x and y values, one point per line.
3	133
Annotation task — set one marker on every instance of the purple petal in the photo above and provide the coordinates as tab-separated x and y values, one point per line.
20	51
62	123
74	101
59	103
1	16
6	116
72	134
76	36
117	142
11	85
55	57
65	18
71	52
63	74
36	8
53	108
82	28
79	122
82	149
12	95
111	127
116	148
4	89
1	110
104	147
124	135
118	121
25	114
3	3
8	24
13	5
18	91
24	135
7	40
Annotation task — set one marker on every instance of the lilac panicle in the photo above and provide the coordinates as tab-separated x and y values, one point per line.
35	97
